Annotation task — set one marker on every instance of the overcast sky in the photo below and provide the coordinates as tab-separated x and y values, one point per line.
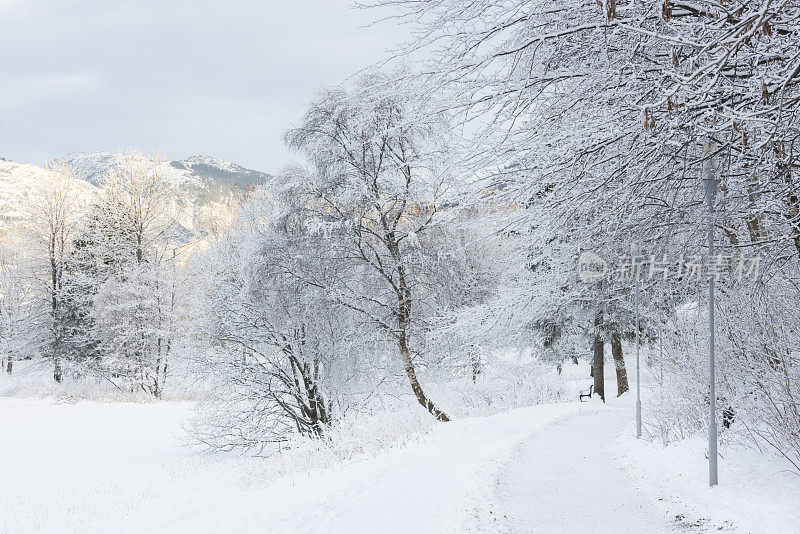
217	77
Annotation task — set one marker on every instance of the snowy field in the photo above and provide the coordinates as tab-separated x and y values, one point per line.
123	467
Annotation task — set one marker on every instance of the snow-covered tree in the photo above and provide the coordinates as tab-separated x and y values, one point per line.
132	243
281	356
603	116
21	311
55	210
380	182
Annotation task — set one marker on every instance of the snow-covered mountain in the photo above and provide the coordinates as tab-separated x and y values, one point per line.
210	189
18	183
209	177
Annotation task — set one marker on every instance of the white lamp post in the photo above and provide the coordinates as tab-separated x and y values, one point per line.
638	388
661	354
711	184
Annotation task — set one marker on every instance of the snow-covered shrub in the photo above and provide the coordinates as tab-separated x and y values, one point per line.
761	329
384	423
279	355
34	379
21	310
508	379
757	368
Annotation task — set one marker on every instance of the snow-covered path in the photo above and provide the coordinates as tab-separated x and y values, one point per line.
546	469
439	485
565	479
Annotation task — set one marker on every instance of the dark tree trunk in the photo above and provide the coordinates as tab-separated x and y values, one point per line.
599	385
597	363
619	364
9	365
476	366
55	284
57	369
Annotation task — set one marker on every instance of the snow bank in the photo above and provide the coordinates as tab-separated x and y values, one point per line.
757	493
90	467
33	379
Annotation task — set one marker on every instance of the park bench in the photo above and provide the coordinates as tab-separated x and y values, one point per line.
585	393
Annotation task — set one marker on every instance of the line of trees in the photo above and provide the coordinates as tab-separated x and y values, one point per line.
90	282
600	118
577	126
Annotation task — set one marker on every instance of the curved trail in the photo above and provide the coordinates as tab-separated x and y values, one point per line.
565	479
544	469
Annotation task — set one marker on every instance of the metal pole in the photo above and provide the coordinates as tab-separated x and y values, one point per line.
638	388
712	425
710	182
661	353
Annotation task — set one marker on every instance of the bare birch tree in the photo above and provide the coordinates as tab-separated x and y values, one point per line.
375	176
55	211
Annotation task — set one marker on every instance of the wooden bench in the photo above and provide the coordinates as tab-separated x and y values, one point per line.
585	393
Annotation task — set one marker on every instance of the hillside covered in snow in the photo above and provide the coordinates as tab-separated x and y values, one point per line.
209	188
19	185
207	175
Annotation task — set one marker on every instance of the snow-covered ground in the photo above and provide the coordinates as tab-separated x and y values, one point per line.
121	467
757	493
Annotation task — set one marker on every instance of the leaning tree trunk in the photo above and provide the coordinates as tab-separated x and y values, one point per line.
408	365
404	324
619	364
